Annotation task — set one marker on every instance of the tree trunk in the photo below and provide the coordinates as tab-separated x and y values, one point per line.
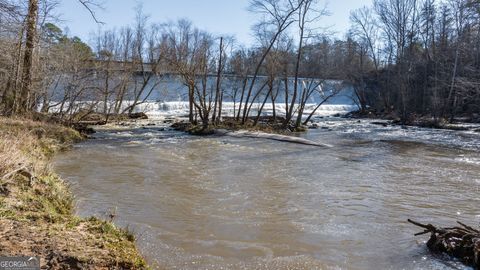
245	81
218	102
191	89
302	21
23	105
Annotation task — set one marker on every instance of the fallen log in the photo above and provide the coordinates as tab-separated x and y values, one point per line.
268	136
461	242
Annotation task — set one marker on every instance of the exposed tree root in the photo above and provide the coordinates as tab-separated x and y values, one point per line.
462	242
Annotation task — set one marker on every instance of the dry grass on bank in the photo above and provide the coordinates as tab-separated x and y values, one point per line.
36	206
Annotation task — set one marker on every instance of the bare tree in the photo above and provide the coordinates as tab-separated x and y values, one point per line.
364	27
307	14
277	17
366	32
399	20
31	32
19	96
218	94
191	56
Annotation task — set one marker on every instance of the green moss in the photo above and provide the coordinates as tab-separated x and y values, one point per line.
201	130
5	212
57	194
49	200
109	230
73	222
301	129
122	241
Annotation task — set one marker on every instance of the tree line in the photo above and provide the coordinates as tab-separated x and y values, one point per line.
423	58
406	57
44	69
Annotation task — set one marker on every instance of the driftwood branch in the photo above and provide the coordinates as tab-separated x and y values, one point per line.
460	242
23	171
12	173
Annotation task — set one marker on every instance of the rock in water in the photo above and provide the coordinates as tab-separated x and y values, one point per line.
139	115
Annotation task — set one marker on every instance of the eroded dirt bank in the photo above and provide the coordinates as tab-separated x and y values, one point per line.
37	209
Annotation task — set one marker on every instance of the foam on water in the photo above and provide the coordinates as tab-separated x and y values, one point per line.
371	130
469	160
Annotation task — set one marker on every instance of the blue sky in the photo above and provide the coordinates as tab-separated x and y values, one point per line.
215	16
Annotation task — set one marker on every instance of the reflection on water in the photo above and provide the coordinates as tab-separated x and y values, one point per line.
232	203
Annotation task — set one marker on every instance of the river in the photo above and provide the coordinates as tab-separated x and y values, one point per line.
244	203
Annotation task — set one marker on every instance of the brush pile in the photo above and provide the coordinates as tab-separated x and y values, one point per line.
461	242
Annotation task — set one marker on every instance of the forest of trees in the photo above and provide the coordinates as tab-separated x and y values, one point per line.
405	57
423	58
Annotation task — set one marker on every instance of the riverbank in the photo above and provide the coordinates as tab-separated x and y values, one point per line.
37	208
465	123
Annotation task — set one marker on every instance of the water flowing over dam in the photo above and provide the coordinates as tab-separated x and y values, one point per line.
168	96
225	202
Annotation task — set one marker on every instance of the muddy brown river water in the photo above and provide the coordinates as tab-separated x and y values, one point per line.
244	203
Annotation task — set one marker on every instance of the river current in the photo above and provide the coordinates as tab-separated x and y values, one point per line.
242	203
